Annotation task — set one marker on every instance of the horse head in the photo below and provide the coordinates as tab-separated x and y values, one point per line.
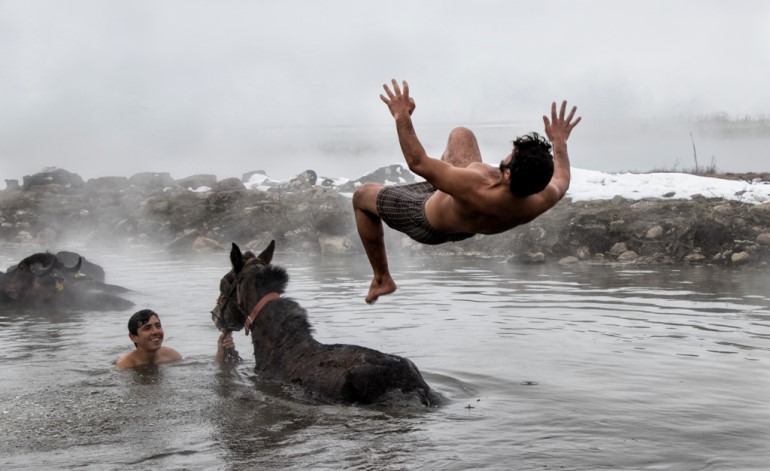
236	292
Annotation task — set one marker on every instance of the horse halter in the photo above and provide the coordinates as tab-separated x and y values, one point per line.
272	296
235	289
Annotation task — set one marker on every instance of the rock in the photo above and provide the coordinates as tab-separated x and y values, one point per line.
303	181
763	239
204	244
739	258
107	183
654	233
247	176
53	176
194	182
618	249
710	233
335	224
569	260
260	241
391	175
228	184
334	244
617	200
183	242
583	252
628	256
694	258
159	206
152	181
528	258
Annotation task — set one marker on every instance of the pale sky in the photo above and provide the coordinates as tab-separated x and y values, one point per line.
107	87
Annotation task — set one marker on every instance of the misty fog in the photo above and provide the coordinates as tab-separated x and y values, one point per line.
107	87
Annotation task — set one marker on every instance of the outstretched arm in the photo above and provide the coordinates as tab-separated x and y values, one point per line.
401	106
441	174
558	129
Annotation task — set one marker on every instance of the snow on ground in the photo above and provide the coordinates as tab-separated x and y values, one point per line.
594	185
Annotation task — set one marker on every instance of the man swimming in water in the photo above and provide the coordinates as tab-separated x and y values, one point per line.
145	330
461	196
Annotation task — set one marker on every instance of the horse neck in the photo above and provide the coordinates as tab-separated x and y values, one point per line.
282	327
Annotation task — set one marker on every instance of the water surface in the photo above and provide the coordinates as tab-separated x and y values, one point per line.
539	367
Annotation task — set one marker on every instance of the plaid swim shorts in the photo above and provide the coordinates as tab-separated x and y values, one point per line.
402	207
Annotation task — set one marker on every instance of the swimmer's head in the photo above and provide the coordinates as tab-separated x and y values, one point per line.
139	319
530	164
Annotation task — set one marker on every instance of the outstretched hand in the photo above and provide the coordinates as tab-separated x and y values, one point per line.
225	340
559	127
399	102
226	352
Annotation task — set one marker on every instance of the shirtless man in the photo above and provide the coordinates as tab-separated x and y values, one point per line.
461	196
145	331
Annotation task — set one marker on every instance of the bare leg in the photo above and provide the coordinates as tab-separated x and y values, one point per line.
462	149
372	236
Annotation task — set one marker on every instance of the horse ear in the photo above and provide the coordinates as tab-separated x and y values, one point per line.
236	258
267	254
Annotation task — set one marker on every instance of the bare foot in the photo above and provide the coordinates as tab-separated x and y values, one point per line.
379	288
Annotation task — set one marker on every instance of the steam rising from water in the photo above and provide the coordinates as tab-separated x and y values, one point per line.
116	88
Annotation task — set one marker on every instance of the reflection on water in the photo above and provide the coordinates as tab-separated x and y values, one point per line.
541	367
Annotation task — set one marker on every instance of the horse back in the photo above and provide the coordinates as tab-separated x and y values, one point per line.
357	374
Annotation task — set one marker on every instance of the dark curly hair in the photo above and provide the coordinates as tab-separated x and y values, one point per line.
531	165
139	319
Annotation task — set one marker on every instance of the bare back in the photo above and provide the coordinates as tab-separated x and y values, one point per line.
477	199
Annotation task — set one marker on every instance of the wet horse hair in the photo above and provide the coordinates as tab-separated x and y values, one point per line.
285	350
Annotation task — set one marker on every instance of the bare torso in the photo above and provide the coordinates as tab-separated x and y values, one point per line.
139	357
485	207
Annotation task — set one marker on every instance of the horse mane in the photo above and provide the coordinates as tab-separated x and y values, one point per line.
271	278
292	317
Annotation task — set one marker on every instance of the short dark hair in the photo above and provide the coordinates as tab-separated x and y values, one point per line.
139	319
531	165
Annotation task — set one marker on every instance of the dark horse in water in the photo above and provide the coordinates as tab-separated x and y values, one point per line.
64	280
250	297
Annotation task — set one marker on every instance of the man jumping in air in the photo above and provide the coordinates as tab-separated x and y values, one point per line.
461	196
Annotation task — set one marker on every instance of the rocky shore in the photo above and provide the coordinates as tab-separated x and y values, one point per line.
53	208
